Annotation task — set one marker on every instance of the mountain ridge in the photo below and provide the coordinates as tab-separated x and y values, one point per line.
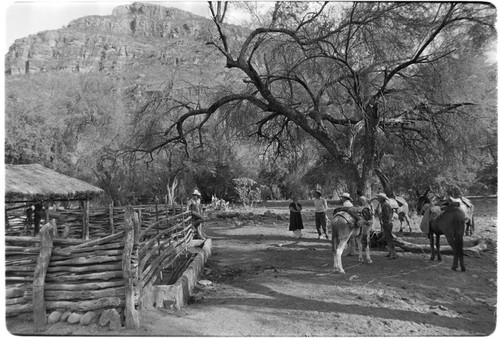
131	34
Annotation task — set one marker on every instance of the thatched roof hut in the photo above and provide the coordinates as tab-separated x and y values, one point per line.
35	183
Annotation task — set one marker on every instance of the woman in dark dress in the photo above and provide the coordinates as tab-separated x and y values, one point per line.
296	224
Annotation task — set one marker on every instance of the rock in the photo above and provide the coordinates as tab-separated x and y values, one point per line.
65	316
116	42
196	298
54	317
205	282
74	318
116	322
90	317
105	317
111	317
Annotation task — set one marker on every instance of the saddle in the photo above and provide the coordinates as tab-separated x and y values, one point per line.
400	200
461	203
357	213
449	203
463	200
430	213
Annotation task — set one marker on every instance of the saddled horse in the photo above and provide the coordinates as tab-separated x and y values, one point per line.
464	203
447	220
400	208
344	227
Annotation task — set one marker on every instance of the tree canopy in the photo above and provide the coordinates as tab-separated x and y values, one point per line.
344	96
369	81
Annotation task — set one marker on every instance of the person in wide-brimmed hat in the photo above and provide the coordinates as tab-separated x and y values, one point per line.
348	207
381	196
386	216
320	208
194	205
346	199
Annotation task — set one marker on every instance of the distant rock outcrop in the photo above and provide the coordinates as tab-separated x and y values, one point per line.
132	34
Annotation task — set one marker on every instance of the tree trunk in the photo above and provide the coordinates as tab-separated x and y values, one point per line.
171	190
386	184
474	251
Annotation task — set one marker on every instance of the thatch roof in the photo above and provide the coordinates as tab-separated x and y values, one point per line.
33	182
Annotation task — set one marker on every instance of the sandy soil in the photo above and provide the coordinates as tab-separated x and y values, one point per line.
265	283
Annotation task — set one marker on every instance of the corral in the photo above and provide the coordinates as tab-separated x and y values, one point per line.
89	264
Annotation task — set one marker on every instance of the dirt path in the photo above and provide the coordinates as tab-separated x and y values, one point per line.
264	283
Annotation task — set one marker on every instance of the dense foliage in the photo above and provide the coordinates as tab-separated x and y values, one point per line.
339	96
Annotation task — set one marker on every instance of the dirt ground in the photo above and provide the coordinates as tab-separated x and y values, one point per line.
266	283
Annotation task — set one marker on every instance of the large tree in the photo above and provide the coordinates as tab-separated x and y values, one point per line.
356	77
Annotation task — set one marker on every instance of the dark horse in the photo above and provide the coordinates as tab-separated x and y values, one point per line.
447	220
464	203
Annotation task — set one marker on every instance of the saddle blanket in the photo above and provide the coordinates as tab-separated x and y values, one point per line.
430	214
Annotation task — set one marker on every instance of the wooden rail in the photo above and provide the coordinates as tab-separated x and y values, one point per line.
48	273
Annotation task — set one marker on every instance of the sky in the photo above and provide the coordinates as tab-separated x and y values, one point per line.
22	18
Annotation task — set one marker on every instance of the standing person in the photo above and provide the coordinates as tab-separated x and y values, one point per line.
386	223
320	208
363	201
296	224
365	206
346	199
194	205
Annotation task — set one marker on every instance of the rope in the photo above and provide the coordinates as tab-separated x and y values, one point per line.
353	266
405	273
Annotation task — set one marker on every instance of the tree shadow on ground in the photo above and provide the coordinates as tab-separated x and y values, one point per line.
283	301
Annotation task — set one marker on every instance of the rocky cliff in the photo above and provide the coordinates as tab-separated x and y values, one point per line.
134	34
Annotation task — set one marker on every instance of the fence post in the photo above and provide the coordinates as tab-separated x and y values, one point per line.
130	268
135	259
85	219
47	234
159	240
111	219
183	218
37	217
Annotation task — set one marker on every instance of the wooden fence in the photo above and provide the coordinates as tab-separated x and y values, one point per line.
49	273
